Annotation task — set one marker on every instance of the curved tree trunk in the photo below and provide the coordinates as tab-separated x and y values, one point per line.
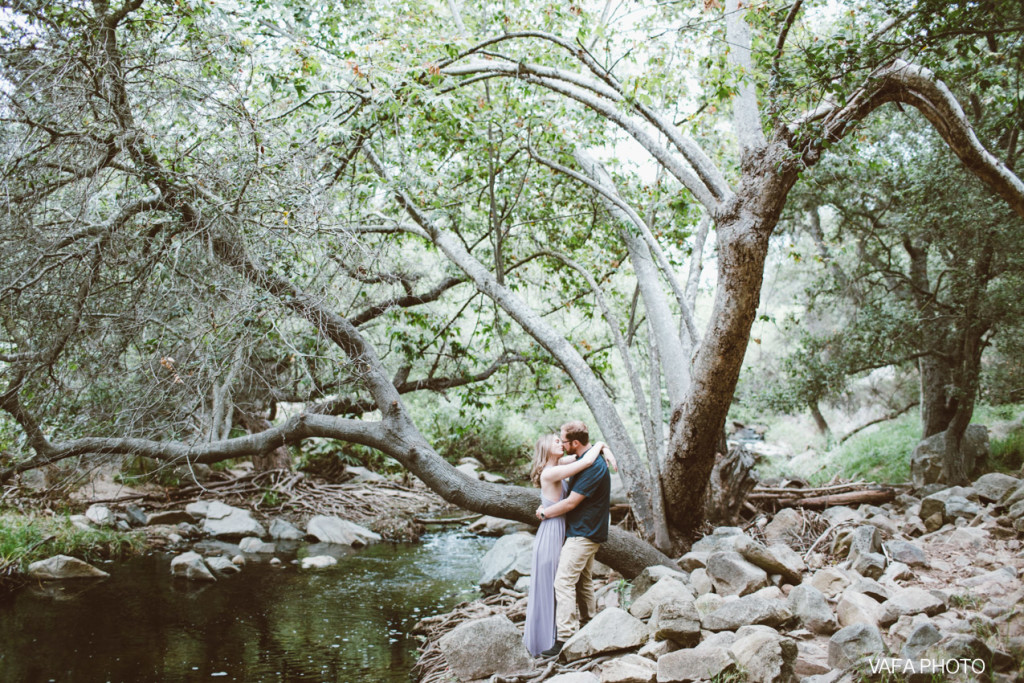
938	403
697	422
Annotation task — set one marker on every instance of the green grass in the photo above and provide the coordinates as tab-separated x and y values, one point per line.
882	453
27	538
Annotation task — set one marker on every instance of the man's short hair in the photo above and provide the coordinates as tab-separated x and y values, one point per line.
576	431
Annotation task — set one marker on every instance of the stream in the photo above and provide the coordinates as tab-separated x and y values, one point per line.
350	622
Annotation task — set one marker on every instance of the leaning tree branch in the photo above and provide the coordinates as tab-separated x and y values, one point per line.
405	302
914	85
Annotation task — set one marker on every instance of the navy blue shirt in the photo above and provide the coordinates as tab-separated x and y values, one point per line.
590	518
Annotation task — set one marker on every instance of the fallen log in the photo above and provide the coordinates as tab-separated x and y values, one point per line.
869	496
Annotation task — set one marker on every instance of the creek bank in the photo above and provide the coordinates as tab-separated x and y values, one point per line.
803	596
315	521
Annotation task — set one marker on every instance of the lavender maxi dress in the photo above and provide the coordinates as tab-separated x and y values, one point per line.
540	607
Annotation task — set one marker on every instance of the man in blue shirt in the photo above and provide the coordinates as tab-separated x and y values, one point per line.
586	511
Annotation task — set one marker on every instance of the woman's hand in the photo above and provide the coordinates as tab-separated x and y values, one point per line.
609	458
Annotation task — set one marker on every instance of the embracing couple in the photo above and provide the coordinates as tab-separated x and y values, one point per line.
575	488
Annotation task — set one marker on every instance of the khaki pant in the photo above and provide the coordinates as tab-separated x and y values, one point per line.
574	585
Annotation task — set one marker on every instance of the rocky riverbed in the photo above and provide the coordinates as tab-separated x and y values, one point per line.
927	586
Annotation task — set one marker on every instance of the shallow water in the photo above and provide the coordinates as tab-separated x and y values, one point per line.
346	623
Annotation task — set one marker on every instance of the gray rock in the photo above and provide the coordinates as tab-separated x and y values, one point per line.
910	601
747	610
226	521
190	566
700	581
222	566
651	575
926	460
871	588
470	470
708	603
362	475
610	631
921	638
691	561
317	562
81	522
841	514
731	574
135	515
865	557
786	527
964	646
936	502
830	581
758	555
171	517
496	526
283	530
718	540
808	604
251	544
677	620
484	647
698	664
198	509
958	506
668	588
848	645
100	515
329	529
629	669
764	654
507	560
994	485
575	677
60	567
792	560
856	608
907	552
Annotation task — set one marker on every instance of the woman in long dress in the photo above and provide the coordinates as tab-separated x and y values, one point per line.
552	478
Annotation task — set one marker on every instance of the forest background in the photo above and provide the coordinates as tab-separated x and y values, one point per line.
429	230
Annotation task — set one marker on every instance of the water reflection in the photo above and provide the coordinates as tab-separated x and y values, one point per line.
347	623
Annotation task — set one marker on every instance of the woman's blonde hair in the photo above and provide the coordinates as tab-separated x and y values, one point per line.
540	455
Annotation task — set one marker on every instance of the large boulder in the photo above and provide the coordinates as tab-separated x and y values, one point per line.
765	655
667	588
677	620
786	527
865	557
731	574
759	556
702	663
190	566
283	530
628	669
857	608
484	647
993	486
911	601
718	540
751	609
61	567
652	575
100	515
612	630
230	522
849	645
507	560
496	526
926	460
329	529
809	605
